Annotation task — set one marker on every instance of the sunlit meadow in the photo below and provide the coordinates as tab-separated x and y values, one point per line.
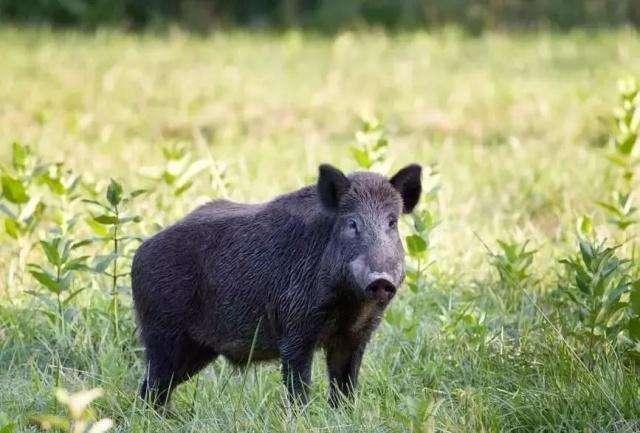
514	316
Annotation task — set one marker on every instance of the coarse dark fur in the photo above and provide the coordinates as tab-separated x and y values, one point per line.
311	269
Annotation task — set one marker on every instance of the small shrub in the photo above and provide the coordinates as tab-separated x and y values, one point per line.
598	289
465	323
371	147
626	131
418	242
58	276
178	171
513	264
176	177
621	211
108	225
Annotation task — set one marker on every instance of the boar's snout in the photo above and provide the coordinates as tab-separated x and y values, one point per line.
380	287
373	282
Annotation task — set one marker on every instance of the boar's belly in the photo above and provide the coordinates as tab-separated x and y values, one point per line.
239	353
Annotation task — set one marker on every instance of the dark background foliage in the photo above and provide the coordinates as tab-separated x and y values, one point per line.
326	15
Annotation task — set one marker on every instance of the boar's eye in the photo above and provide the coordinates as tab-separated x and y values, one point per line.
393	222
352	225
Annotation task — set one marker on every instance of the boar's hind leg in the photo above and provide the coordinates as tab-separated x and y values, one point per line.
169	363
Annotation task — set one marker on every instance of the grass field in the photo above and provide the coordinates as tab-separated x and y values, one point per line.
516	126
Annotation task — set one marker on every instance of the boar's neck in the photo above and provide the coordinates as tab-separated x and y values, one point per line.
304	231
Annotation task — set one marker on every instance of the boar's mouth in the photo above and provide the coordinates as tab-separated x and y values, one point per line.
381	289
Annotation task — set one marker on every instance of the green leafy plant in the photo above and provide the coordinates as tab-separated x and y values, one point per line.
622	212
624	155
80	417
22	201
108	224
20	208
179	169
464	322
626	131
417	230
371	147
177	175
605	288
58	276
32	193
418	241
513	264
598	286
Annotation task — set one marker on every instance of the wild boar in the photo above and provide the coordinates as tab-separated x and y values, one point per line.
314	268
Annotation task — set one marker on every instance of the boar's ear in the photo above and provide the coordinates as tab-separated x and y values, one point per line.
332	183
409	184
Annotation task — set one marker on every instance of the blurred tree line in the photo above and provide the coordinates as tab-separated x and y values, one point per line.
326	15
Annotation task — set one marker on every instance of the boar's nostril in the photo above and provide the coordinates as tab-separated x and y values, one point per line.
381	284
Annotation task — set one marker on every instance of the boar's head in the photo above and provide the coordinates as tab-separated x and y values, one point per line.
365	254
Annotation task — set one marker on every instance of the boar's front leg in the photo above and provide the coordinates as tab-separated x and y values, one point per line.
297	358
343	364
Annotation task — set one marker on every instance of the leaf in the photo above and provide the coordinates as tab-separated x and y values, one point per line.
54	185
180	190
176	151
586	250
77	264
53	317
423	221
13	190
81	243
20	155
73	295
586	226
51	251
46	280
415	245
131	238
114	193
175	167
106	219
612	209
135	219
99	229
138	192
573	298
185	179
97	203
362	157
101	263
12	227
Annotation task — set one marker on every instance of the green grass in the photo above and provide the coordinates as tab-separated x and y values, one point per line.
514	124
